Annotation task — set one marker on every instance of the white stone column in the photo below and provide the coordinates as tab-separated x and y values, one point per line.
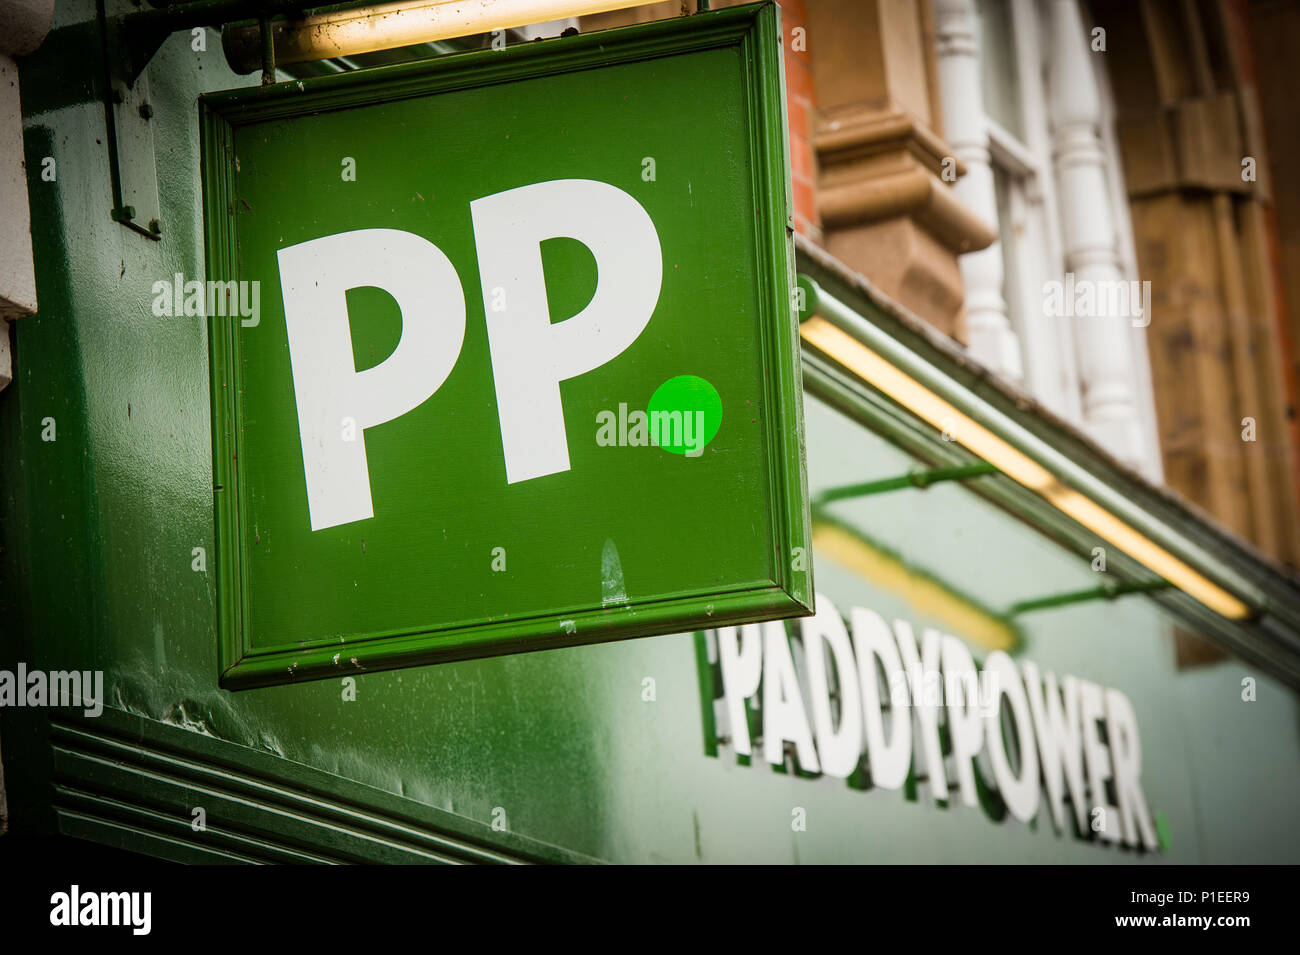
988	329
1104	338
23	25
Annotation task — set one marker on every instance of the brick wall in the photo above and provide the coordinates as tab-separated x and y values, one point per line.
800	104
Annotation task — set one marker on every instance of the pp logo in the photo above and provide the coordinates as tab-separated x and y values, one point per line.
530	355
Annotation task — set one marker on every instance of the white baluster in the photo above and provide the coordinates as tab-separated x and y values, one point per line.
1088	233
989	334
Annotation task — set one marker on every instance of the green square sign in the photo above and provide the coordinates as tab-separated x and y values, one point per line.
521	369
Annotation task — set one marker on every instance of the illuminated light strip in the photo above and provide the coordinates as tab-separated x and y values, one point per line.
390	25
925	404
929	597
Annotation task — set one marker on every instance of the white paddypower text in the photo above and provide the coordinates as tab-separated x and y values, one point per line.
1057	726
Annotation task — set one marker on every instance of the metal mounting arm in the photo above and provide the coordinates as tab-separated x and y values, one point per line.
912	479
136	37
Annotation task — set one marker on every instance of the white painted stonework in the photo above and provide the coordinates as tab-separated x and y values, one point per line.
23	25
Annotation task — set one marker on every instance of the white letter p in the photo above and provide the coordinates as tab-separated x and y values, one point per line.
531	356
315	277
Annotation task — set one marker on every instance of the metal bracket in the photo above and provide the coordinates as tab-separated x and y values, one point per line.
134	174
1107	591
912	479
138	36
129	43
1110	590
129	140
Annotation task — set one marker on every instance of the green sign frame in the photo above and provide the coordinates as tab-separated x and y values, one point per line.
284	612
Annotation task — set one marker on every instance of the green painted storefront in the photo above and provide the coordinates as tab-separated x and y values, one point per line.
562	748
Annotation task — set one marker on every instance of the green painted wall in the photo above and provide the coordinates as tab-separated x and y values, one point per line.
98	528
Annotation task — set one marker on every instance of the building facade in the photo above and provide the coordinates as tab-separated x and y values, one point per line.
1032	237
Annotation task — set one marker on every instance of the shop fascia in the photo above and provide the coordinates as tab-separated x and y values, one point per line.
932	683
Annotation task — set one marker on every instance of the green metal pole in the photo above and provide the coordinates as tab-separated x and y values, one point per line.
1107	591
913	479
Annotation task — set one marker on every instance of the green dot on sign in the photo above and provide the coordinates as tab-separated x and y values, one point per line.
685	413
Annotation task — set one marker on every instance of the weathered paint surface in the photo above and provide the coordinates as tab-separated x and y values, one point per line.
99	528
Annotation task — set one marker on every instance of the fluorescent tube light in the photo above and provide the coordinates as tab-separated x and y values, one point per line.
390	25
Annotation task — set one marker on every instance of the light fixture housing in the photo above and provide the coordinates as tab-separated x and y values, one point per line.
366	29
